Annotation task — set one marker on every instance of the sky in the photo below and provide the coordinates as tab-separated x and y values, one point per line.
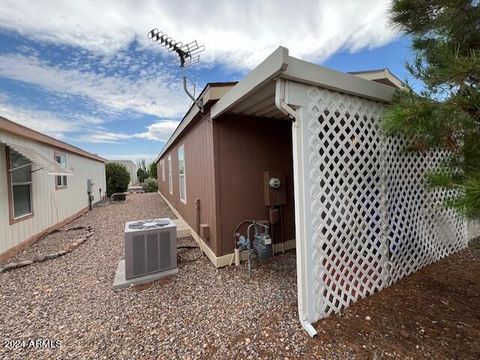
85	73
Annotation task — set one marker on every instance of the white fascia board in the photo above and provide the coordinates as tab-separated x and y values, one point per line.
308	73
377	75
270	68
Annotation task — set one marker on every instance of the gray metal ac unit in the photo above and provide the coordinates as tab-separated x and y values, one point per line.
150	247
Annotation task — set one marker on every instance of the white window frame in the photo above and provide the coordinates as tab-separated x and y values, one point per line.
12	185
180	175
162	164
170	175
63	179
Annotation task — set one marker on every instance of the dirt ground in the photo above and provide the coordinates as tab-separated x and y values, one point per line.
205	312
432	314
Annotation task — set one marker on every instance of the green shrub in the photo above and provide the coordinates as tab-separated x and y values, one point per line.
117	177
152	170
150	185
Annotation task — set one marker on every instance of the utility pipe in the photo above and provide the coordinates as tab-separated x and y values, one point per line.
282	105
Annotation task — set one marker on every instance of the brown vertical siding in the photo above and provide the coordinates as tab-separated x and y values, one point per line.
246	148
199	171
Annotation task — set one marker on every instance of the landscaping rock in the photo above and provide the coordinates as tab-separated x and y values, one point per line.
10	266
39	258
24	263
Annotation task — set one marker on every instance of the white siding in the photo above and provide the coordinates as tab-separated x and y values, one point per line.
50	206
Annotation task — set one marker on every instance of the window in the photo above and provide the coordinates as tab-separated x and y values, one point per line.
61	181
20	179
181	174
170	177
162	164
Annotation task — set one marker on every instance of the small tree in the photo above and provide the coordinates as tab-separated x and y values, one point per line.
152	170
446	114
117	177
150	185
142	172
142	175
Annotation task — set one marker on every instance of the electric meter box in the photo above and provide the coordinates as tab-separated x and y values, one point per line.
90	184
275	189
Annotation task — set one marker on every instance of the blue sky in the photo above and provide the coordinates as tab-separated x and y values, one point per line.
85	73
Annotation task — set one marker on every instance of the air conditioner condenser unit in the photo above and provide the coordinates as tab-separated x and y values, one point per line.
150	247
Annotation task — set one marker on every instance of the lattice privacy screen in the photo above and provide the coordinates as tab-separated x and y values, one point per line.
373	220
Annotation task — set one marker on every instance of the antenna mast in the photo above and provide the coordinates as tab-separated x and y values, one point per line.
188	55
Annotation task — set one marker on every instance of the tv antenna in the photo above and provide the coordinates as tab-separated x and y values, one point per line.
188	54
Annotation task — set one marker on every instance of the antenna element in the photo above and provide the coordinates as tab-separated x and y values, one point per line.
188	55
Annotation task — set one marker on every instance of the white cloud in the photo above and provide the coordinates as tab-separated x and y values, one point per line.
157	95
134	157
42	121
237	33
103	137
159	131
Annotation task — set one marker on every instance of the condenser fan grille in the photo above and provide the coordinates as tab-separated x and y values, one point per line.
148	224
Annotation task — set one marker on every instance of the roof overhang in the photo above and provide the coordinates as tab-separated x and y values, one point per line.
25	132
42	163
255	94
384	76
212	92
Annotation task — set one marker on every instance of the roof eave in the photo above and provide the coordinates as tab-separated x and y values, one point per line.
28	133
211	93
280	65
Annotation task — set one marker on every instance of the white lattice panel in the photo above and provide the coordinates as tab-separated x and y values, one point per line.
372	221
345	158
421	230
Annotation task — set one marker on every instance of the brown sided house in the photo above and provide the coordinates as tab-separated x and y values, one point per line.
298	145
213	171
223	164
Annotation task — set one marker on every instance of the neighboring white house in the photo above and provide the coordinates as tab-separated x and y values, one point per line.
43	185
131	167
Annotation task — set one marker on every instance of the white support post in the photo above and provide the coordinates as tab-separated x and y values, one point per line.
305	271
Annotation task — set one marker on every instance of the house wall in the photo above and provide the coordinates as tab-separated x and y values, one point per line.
199	171
245	148
50	206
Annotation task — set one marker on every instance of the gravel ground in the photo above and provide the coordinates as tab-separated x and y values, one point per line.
201	312
208	313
